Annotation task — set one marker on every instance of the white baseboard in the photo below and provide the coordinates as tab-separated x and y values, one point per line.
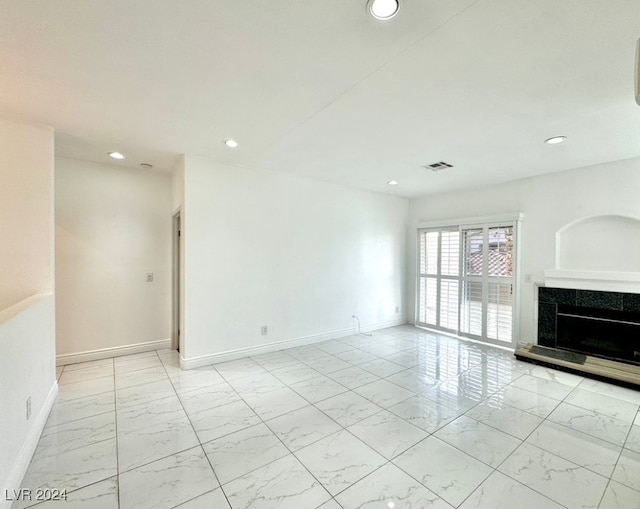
20	466
116	351
230	355
383	325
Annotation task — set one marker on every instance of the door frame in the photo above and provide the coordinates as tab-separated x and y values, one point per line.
515	219
177	282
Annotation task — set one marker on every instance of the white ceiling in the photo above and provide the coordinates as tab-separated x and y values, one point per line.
320	89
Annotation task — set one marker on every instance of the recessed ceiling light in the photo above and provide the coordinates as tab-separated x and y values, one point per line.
392	183
383	9
555	140
231	143
116	155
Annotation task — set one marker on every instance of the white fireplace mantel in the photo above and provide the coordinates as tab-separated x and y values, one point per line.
604	281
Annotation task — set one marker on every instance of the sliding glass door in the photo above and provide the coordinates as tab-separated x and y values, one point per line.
466	280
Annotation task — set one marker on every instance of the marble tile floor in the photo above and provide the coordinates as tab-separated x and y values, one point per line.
402	419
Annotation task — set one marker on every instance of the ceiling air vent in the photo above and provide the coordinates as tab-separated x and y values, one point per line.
438	166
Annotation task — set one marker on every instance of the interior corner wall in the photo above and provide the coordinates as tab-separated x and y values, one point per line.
177	186
548	202
27	315
293	254
113	226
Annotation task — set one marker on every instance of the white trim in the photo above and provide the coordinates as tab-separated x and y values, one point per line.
517	287
205	360
470	221
115	351
21	464
416	301
604	281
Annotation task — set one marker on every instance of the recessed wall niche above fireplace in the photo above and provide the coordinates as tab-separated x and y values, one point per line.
601	324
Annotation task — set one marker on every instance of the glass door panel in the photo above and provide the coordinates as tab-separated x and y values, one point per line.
471	308
449	304
428	301
500	312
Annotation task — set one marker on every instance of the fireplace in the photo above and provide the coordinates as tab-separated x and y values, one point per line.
596	323
589	305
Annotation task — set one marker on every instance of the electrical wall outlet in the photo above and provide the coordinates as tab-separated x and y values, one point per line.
149	277
28	408
264	330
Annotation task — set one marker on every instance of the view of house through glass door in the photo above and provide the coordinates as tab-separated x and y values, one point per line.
466	280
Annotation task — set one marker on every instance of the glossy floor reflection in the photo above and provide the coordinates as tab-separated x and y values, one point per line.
401	419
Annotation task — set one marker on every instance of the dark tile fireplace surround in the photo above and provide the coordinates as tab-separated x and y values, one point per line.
601	324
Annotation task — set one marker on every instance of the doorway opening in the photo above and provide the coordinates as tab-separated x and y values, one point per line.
177	282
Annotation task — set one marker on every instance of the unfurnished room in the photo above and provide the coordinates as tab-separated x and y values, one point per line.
344	254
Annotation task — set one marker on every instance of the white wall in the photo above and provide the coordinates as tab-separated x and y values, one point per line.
177	186
297	255
27	320
26	262
113	225
549	202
